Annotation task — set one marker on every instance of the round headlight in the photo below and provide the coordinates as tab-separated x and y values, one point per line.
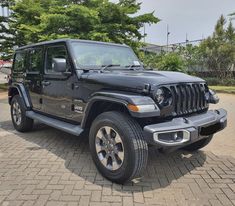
163	96
159	96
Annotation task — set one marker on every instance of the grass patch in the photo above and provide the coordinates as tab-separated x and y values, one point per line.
223	89
3	87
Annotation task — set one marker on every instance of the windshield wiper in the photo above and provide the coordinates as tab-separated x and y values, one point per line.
109	65
133	66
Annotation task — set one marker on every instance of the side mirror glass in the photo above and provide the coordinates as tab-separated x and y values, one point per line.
59	64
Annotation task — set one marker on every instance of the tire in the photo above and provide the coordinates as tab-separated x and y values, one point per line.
198	145
18	115
131	158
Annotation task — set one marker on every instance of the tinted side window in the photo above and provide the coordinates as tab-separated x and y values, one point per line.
20	61
36	60
56	52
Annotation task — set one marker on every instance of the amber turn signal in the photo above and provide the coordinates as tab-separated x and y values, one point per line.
141	108
133	108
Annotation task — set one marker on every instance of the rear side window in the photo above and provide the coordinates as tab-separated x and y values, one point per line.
36	60
56	52
20	61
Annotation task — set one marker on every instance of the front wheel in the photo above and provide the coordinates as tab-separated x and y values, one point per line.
117	146
199	144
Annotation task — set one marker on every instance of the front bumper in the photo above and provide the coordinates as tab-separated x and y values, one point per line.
186	130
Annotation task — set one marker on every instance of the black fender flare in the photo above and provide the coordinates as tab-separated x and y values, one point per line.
22	92
123	99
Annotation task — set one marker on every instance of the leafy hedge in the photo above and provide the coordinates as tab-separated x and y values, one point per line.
3	87
222	82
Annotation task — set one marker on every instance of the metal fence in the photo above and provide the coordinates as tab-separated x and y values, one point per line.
212	74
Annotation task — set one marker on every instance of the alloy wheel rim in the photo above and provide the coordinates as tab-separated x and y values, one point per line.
109	148
16	112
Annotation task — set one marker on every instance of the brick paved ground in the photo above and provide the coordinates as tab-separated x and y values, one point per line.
49	167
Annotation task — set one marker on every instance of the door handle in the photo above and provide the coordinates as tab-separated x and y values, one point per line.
46	83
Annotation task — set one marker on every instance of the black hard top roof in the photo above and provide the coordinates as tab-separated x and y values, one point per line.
67	40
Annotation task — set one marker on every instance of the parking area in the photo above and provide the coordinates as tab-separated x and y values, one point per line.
49	167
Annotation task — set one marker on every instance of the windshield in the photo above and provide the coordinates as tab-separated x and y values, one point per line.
94	55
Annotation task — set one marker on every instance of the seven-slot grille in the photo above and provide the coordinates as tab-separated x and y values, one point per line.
189	98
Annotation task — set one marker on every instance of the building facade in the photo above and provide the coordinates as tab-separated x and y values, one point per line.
4	11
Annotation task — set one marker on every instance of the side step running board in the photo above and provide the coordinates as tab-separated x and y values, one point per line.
64	126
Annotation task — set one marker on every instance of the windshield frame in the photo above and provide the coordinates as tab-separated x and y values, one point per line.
99	67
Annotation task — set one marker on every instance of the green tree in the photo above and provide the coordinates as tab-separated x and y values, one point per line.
165	61
172	62
191	55
233	14
218	51
150	59
38	20
230	33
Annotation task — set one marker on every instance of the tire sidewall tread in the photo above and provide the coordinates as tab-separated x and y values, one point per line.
26	123
130	132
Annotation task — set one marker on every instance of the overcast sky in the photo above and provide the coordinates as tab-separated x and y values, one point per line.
197	18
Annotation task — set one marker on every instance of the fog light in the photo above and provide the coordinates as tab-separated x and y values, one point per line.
176	137
172	137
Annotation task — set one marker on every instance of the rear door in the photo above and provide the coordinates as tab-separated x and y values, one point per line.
33	77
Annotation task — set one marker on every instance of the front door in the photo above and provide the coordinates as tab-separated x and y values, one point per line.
57	86
33	76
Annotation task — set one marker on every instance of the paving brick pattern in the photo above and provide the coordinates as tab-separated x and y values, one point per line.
49	167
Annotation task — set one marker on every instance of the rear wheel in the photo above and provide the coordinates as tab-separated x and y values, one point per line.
198	145
18	115
118	147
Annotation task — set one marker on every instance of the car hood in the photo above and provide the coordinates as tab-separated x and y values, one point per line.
137	79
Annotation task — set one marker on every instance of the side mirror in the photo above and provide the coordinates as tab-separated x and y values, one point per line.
59	64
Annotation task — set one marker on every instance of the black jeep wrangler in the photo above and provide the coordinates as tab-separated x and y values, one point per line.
83	86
